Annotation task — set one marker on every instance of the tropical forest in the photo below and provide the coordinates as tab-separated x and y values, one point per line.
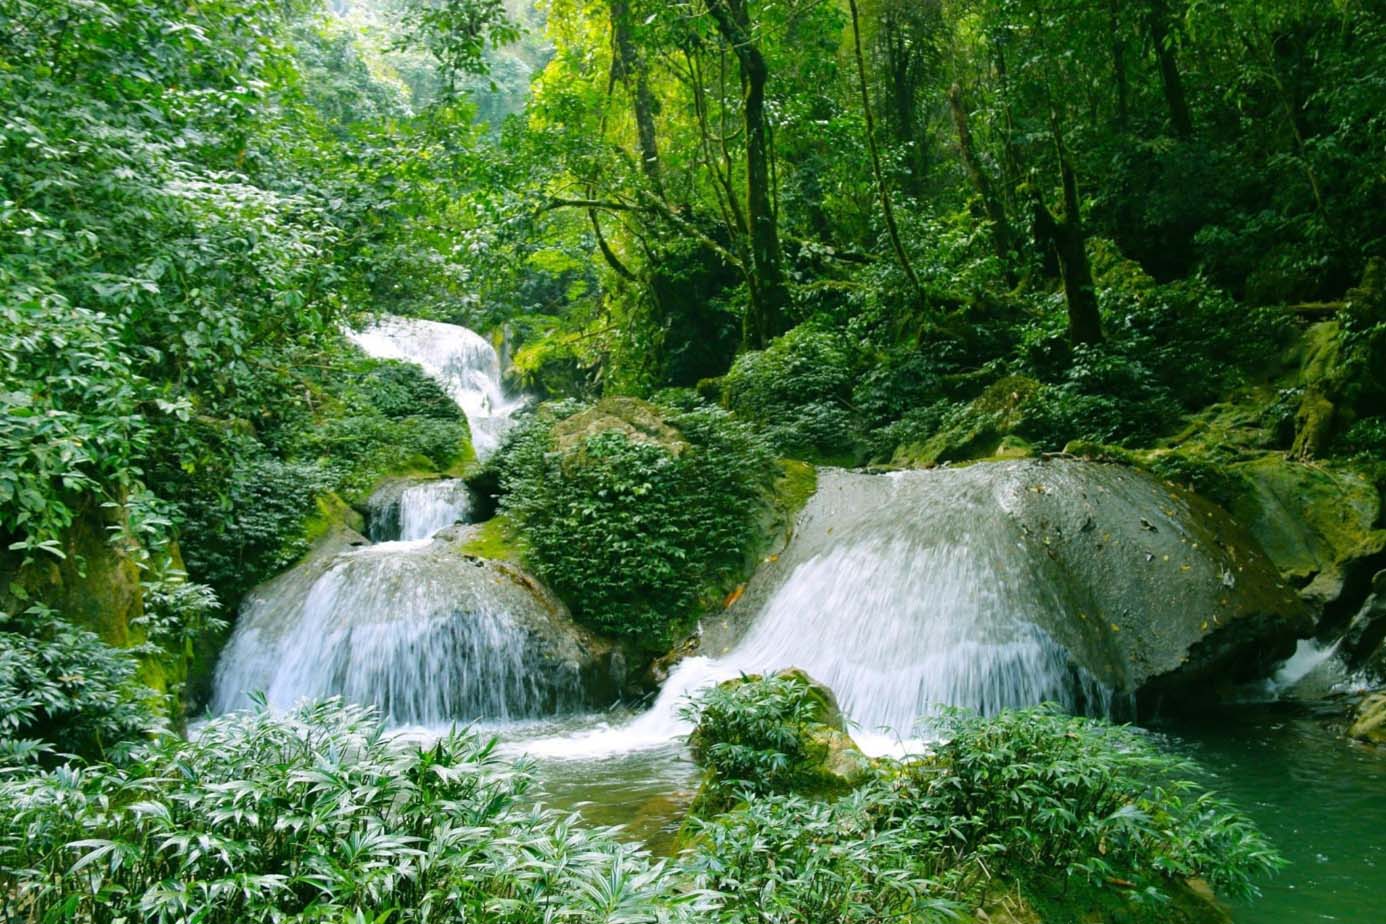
672	461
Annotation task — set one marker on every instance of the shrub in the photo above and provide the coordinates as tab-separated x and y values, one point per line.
315	816
1049	794
634	537
398	389
754	735
787	858
799	389
65	692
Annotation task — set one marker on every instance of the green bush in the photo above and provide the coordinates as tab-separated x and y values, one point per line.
799	390
315	816
753	735
1044	793
398	389
66	693
791	859
634	537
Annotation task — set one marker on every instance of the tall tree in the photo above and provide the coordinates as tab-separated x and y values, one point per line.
769	291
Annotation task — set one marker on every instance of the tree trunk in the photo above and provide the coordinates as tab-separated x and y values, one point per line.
630	66
887	209
1070	245
1119	76
995	209
766	317
1179	118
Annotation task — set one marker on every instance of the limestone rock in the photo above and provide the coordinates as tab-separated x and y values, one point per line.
1370	722
639	421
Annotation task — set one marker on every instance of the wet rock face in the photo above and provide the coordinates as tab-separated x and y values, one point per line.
1150	591
1170	595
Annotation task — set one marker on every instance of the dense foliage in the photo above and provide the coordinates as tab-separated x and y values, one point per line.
1030	795
317	816
637	535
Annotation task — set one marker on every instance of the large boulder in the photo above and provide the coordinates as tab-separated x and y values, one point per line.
953	586
1317	525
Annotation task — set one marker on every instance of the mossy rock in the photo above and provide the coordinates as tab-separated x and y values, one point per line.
96	584
639	421
1369	723
495	540
981	432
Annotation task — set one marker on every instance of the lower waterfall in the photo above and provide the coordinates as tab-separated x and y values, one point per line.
403	626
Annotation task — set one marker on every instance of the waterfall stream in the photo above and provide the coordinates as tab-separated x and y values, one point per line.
406	624
904	593
460	360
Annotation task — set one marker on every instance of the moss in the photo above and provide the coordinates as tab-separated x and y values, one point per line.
496	540
1369	724
979	431
330	513
794	487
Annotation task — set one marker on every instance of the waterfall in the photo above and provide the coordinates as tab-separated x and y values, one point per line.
409	624
458	359
406	626
416	511
902	593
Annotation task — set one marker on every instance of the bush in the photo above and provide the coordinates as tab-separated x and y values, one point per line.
66	693
1046	793
799	389
634	537
398	389
787	858
315	816
754	735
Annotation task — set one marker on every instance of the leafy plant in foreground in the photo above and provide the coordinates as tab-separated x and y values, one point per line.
315	816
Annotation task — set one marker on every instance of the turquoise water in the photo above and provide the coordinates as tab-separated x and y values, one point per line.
1320	797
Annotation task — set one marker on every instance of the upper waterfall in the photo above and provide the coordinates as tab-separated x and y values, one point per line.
460	360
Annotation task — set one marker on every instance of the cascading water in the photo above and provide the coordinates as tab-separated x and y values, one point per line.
460	360
417	511
903	594
408	624
404	626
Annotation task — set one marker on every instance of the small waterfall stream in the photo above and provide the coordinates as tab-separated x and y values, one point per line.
406	623
460	360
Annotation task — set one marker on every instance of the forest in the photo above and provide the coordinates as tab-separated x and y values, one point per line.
779	461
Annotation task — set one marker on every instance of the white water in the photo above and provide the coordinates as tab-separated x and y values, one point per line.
426	508
399	626
403	625
460	360
911	601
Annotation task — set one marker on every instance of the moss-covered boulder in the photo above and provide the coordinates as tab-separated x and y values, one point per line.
1369	723
98	583
782	733
982	430
639	421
